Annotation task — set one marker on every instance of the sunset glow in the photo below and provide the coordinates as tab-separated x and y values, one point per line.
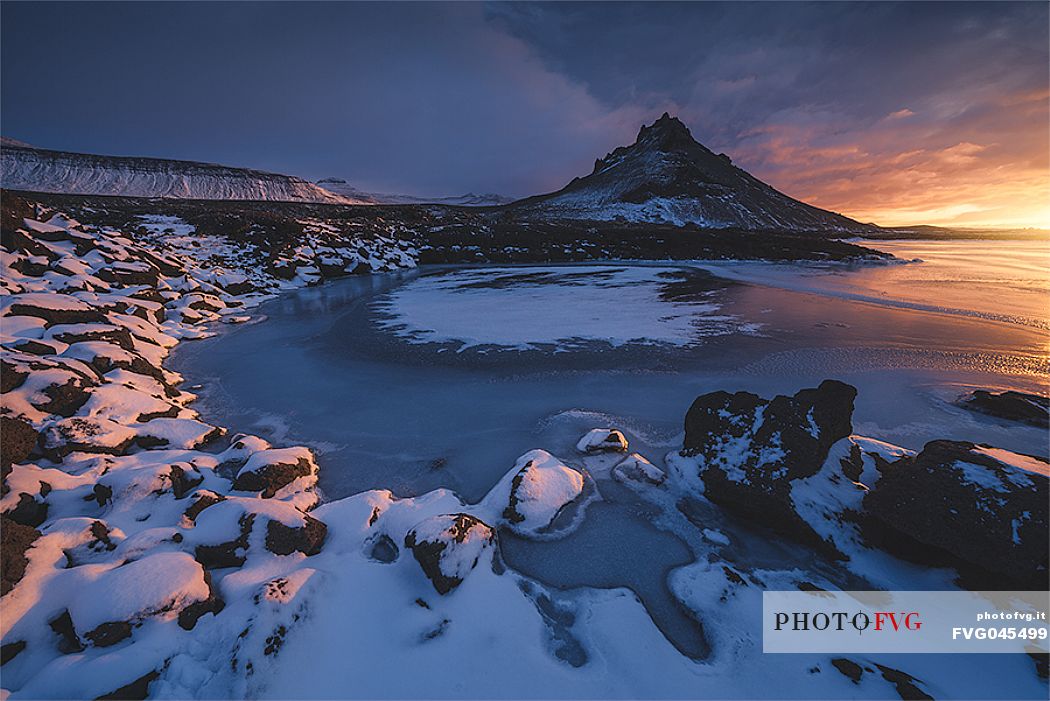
912	168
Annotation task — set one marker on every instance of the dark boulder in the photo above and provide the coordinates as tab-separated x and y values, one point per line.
100	494
68	641
64	399
11	376
17	440
84	315
181	482
109	634
1026	408
285	540
241	287
750	449
904	684
15	540
232	553
136	690
28	511
204	500
110	334
982	510
130	274
9	651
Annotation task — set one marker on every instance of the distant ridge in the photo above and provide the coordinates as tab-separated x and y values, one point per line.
341	187
667	176
41	170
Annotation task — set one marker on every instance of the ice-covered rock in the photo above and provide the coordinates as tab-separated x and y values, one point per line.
449	546
985	507
602	440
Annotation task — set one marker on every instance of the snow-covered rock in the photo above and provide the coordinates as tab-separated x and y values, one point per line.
602	440
269	471
748	450
449	546
532	494
637	469
106	608
984	506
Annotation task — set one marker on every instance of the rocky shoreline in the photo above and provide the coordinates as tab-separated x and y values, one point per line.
139	540
111	482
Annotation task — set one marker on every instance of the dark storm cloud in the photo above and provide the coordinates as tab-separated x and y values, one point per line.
843	104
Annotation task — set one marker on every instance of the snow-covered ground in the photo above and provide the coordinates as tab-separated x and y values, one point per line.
172	561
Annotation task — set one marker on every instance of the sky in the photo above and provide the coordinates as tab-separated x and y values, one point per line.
905	113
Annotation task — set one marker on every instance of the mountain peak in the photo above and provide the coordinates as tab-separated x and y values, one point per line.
667	133
668	176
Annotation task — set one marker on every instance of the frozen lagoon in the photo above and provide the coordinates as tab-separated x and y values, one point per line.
382	378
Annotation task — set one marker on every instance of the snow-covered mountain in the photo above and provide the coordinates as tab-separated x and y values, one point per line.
40	170
667	176
341	187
